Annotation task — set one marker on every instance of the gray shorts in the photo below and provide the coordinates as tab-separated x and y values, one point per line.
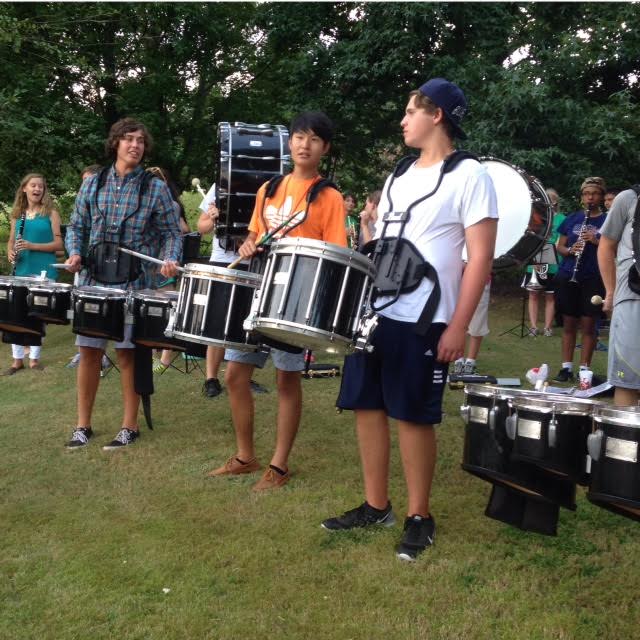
624	346
101	343
282	360
479	325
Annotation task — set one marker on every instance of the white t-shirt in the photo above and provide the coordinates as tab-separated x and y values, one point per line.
218	251
436	227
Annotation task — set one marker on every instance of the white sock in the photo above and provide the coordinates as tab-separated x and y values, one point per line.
469	361
567	365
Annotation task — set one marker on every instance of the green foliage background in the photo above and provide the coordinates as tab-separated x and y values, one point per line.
565	106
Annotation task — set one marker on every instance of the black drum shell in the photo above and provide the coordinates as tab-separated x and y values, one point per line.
50	304
98	317
14	310
150	318
225	300
488	455
615	483
568	456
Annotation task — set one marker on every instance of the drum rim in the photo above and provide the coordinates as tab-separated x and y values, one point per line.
155	295
557	404
617	416
227	344
505	393
52	287
113	293
230	275
341	342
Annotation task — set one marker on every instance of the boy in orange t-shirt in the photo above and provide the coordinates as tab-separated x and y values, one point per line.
323	219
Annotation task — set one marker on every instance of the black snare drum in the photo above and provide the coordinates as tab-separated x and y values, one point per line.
14	310
552	433
151	310
212	306
50	301
615	466
248	155
488	447
312	295
99	312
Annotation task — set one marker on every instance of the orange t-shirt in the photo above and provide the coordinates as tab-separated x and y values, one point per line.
324	221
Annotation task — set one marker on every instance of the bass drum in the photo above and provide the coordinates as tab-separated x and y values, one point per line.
525	213
248	156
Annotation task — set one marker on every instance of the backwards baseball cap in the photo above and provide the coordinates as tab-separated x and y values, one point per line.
595	182
450	98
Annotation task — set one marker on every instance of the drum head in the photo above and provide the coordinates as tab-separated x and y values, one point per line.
524	210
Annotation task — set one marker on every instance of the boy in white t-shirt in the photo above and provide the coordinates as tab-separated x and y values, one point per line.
404	377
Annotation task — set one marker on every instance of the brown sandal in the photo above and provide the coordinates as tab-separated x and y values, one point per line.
11	370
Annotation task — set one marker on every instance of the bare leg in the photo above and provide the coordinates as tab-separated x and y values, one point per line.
626	397
588	326
569	331
237	379
215	356
549	310
475	342
418	448
372	428
88	378
289	412
130	398
533	308
166	356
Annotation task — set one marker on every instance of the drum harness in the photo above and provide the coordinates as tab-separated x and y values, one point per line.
400	265
634	270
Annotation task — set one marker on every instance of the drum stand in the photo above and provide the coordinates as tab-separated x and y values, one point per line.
519	327
191	363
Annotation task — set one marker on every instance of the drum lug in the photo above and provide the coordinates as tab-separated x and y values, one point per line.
52	302
510	425
492	418
552	434
594	444
465	412
105	310
10	295
168	330
29	299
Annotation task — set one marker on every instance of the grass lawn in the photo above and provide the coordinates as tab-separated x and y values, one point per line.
139	544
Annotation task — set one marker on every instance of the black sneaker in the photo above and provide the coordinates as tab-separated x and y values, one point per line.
419	533
256	387
79	438
564	375
212	388
362	516
125	437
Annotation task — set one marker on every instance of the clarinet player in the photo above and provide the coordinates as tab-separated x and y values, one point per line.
578	278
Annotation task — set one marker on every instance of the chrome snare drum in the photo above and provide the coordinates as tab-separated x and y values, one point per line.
312	295
98	312
552	433
212	306
488	447
14	309
50	301
615	468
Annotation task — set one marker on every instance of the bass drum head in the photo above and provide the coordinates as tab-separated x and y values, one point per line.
248	155
524	210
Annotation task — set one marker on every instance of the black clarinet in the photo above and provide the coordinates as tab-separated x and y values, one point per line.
578	255
17	239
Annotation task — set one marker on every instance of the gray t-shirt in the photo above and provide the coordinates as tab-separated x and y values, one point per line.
617	227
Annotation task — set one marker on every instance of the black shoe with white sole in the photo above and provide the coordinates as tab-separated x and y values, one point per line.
79	438
124	438
363	516
419	533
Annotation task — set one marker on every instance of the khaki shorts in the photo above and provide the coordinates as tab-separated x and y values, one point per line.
479	325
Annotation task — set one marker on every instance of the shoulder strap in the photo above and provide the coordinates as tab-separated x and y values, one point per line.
318	187
272	185
450	162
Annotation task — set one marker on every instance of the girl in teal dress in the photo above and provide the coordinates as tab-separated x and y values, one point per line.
37	225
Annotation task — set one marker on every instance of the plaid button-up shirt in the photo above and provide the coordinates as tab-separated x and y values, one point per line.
154	229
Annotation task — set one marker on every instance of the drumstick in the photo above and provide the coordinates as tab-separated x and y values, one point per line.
195	183
60	265
597	300
143	256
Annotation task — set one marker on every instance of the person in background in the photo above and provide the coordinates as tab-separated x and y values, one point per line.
369	217
34	238
547	279
578	278
352	222
609	197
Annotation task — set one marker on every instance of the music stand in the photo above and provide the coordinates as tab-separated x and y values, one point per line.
547	255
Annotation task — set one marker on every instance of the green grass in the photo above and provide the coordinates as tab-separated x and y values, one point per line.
89	540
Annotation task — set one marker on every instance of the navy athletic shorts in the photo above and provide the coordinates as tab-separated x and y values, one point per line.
401	376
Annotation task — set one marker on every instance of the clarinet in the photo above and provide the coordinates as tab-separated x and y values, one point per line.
583	228
17	239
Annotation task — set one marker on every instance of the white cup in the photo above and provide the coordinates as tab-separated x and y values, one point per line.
586	378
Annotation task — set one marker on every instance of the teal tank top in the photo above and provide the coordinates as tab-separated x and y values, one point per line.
31	263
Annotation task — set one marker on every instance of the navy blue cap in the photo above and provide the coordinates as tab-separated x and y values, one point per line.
450	98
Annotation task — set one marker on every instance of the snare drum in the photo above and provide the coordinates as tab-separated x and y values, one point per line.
488	447
98	312
615	467
525	213
212	306
551	432
14	310
313	294
151	310
50	301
